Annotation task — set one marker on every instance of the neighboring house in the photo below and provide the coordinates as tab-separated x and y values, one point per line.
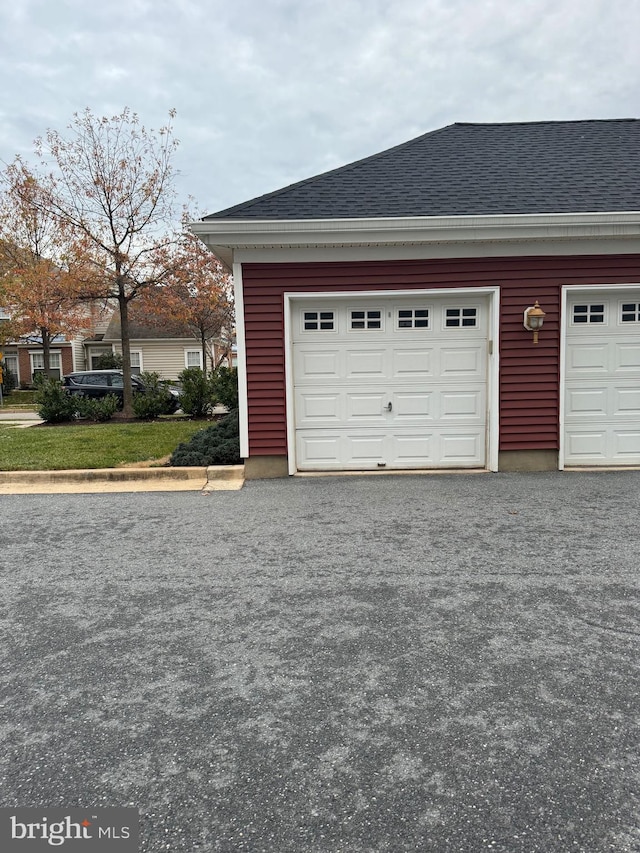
166	351
380	305
160	349
25	358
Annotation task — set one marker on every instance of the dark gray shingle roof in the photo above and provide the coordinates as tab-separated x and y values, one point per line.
481	169
144	329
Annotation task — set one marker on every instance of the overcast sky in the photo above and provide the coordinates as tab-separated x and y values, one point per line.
269	92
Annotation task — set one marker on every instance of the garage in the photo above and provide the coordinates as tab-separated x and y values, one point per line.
390	381
602	378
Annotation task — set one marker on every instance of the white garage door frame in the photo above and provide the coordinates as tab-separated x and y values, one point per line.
493	295
568	291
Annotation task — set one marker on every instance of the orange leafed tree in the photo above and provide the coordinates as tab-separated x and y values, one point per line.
111	189
38	286
198	297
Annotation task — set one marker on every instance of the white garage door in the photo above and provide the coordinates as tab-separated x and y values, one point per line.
390	383
602	379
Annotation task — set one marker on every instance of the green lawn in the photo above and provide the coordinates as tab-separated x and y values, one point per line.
17	400
109	445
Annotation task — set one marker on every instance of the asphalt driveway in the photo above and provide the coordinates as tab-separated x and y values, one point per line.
395	663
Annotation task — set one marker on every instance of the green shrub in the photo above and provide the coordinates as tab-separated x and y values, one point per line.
218	444
197	393
225	387
53	403
98	409
156	400
108	361
148	406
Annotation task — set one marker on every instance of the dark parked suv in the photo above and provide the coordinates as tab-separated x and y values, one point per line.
100	383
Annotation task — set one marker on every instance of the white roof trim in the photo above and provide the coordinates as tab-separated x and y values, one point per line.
225	235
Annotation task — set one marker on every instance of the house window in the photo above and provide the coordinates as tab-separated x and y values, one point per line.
37	363
413	318
593	313
456	318
630	312
95	355
136	361
11	365
193	358
314	321
367	319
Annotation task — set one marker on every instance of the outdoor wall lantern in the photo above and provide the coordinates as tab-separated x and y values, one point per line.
533	320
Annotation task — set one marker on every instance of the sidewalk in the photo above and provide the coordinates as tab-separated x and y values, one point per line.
19	419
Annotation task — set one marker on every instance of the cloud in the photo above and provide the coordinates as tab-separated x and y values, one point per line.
272	91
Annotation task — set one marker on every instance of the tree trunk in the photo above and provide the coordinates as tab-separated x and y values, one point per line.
46	350
127	394
203	343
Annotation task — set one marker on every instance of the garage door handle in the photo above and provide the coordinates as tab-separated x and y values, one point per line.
389	406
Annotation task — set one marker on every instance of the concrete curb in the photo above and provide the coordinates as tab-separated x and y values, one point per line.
212	478
224	478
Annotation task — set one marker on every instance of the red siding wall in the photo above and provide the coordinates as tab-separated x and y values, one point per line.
526	371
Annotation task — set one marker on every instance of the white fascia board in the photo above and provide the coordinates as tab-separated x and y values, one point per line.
440	251
225	236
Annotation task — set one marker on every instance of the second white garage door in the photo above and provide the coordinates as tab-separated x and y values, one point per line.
390	383
602	378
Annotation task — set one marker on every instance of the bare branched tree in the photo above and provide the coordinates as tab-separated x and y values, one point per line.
110	185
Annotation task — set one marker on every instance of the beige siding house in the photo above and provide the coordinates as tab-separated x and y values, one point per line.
168	357
167	351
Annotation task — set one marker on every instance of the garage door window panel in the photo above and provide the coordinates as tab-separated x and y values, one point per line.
461	318
318	321
413	318
588	313
366	319
630	312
